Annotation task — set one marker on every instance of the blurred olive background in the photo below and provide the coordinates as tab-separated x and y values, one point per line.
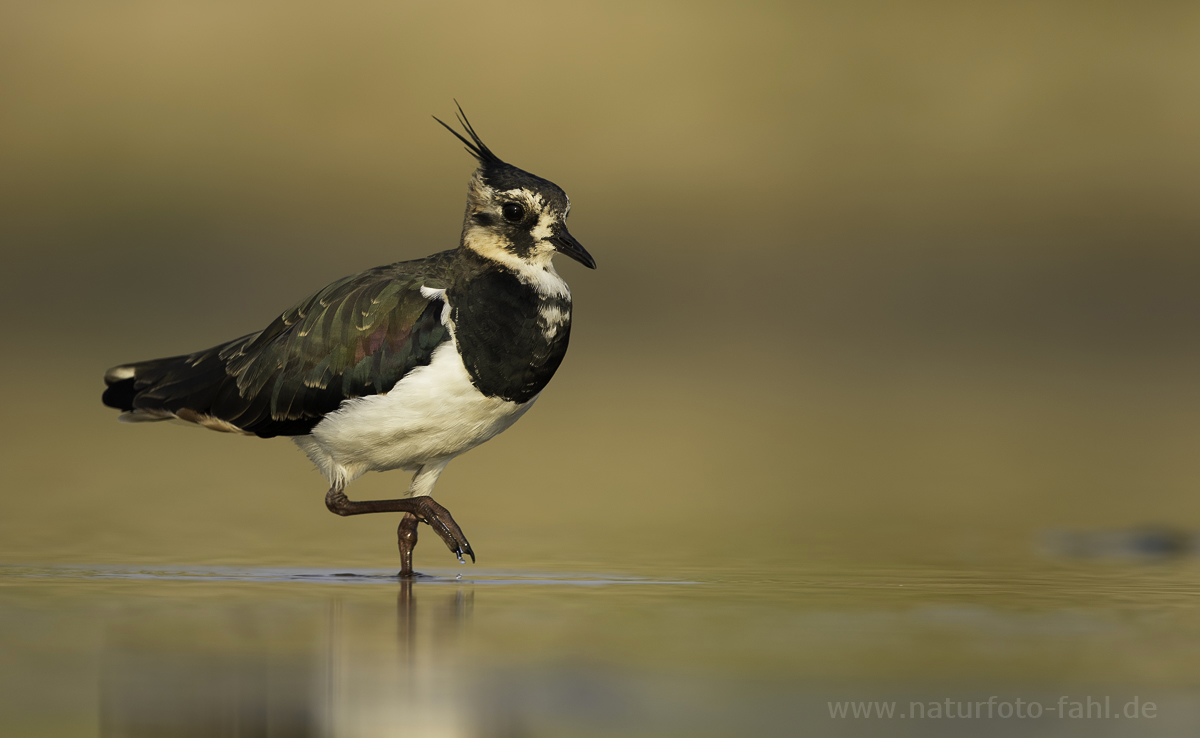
878	281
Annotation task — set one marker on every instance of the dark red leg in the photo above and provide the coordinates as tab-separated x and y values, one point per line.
420	509
406	536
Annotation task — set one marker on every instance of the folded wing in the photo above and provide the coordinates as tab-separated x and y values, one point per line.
359	336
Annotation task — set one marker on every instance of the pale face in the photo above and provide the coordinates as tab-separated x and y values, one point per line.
519	220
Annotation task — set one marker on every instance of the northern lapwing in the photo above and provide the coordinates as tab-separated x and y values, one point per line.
403	366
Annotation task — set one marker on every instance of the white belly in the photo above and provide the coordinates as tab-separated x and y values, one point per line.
432	415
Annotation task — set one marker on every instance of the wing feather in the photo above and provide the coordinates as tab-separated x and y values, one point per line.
358	336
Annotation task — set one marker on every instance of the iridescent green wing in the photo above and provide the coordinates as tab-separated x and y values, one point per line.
359	336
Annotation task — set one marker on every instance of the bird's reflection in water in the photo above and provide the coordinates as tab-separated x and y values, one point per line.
345	666
411	683
447	614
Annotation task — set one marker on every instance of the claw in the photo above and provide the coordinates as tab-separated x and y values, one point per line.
442	522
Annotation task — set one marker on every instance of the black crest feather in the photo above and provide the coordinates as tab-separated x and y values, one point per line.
475	146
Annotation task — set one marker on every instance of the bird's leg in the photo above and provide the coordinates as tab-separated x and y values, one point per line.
406	535
421	508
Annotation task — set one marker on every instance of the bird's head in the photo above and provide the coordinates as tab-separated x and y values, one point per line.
514	217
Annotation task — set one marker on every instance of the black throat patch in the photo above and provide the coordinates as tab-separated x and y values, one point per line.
502	334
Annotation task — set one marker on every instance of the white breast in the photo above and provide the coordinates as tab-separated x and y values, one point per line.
431	415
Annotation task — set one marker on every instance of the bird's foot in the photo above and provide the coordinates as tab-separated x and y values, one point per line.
438	518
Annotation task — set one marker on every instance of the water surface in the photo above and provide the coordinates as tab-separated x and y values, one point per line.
161	651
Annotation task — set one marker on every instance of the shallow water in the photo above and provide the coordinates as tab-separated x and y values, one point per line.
163	651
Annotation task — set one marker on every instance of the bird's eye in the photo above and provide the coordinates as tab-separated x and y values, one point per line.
513	212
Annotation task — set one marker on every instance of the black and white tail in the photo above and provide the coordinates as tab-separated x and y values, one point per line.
177	387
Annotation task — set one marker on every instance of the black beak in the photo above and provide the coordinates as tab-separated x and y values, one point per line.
566	244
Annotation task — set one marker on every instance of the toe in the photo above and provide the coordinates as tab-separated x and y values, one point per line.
439	518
